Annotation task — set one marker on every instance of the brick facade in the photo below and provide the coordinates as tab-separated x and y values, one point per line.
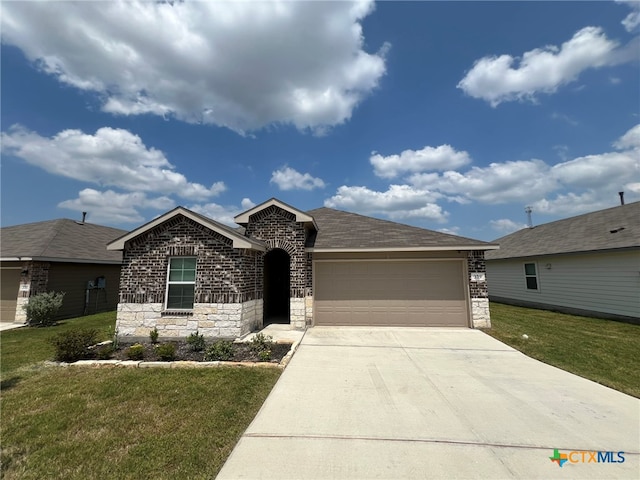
278	229
223	274
480	316
229	281
228	286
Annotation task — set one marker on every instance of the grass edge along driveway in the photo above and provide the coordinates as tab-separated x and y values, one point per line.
604	351
78	423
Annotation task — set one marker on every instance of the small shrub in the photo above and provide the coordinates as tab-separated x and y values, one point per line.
42	308
135	352
264	355
166	352
74	345
261	342
105	352
196	342
220	350
153	335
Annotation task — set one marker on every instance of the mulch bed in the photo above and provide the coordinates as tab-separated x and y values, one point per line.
241	352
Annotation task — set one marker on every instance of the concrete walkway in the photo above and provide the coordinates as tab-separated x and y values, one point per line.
10	326
367	403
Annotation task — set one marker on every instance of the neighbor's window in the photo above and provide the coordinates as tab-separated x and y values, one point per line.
531	276
181	283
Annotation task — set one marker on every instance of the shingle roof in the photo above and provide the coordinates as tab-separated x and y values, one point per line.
344	230
62	239
613	228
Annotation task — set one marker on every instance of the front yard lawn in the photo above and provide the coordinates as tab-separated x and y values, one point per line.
601	350
78	423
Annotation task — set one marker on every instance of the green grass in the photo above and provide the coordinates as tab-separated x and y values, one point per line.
78	423
601	350
28	345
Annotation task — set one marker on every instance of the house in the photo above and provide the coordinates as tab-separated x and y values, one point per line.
60	255
586	265
184	272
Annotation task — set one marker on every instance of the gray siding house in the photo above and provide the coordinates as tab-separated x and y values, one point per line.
587	265
184	272
60	255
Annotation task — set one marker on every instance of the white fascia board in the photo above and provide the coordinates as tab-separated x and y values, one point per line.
60	260
403	249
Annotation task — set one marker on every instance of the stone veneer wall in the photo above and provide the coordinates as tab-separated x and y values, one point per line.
228	289
33	283
480	316
218	320
278	229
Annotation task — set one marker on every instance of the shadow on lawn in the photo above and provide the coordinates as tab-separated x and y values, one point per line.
9	383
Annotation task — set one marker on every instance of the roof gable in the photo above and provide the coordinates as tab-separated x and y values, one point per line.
613	228
302	217
345	231
239	240
60	240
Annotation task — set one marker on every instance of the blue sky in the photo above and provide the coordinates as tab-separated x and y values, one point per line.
450	116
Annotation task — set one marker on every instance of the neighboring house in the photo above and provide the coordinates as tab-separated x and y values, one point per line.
588	265
62	256
184	272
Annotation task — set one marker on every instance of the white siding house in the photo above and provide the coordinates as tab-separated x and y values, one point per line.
589	265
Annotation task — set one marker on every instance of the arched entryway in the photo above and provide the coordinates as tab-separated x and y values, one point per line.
276	286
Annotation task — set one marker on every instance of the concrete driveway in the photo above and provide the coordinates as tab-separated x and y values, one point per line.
365	403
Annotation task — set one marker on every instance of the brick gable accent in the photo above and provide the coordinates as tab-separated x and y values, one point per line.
223	274
278	229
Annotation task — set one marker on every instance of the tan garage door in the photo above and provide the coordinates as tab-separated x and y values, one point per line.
9	285
390	293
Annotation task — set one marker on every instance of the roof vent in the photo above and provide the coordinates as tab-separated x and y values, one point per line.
529	222
84	216
621	197
616	230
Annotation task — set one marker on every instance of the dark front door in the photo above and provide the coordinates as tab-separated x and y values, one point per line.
276	286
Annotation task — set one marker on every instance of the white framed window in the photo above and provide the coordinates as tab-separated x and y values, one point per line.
531	276
181	283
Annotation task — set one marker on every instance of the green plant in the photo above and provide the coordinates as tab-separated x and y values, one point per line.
135	352
153	335
264	355
104	352
112	333
196	341
166	352
74	344
261	342
42	308
220	350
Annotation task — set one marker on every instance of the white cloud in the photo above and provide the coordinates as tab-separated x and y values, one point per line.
497	80
630	140
443	157
223	213
632	20
598	171
450	230
398	202
111	157
241	65
504	225
498	183
110	207
286	178
569	187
